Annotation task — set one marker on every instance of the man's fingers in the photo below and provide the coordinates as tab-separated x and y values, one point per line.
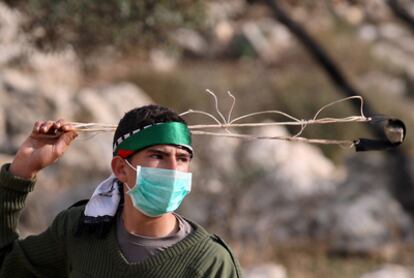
64	141
52	127
45	127
36	126
67	127
56	125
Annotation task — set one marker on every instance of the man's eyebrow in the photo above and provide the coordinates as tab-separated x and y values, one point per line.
183	154
158	151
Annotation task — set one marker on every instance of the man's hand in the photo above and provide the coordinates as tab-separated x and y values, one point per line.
45	145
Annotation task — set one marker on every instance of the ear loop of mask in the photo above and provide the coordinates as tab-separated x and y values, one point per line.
132	167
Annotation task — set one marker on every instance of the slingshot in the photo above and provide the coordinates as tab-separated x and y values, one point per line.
394	130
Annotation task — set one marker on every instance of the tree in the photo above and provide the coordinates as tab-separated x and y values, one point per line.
92	25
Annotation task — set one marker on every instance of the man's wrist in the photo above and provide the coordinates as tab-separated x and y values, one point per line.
22	171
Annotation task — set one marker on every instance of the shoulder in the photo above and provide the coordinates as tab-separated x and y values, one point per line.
73	212
222	262
217	257
222	250
221	245
67	220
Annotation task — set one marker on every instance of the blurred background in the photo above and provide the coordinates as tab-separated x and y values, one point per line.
287	209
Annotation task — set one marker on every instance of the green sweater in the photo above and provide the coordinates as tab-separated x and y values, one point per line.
57	253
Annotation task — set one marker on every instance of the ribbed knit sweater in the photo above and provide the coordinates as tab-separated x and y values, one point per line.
58	253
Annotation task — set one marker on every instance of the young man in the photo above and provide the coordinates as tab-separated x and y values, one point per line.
128	228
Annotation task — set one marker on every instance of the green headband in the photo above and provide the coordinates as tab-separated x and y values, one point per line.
171	133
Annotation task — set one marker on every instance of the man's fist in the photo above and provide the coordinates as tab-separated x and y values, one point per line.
45	145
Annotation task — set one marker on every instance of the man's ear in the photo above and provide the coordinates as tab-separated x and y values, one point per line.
118	165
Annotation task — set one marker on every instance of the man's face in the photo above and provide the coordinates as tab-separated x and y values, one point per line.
159	156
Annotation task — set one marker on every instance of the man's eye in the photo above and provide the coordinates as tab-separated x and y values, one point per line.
184	159
156	156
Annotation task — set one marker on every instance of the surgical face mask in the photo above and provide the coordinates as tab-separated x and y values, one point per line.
158	191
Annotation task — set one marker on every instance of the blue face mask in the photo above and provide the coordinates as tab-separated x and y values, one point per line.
158	191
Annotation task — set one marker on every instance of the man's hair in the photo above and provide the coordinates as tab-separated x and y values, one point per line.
144	116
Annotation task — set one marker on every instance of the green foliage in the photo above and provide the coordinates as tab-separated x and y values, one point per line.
124	24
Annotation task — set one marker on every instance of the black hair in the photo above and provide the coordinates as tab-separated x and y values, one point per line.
143	116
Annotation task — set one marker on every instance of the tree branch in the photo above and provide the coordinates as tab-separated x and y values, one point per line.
317	52
402	185
401	13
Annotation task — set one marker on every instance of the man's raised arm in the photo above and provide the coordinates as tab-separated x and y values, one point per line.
45	145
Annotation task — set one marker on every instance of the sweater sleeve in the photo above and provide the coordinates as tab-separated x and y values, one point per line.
42	255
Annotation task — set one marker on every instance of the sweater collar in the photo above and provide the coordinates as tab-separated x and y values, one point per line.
198	235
